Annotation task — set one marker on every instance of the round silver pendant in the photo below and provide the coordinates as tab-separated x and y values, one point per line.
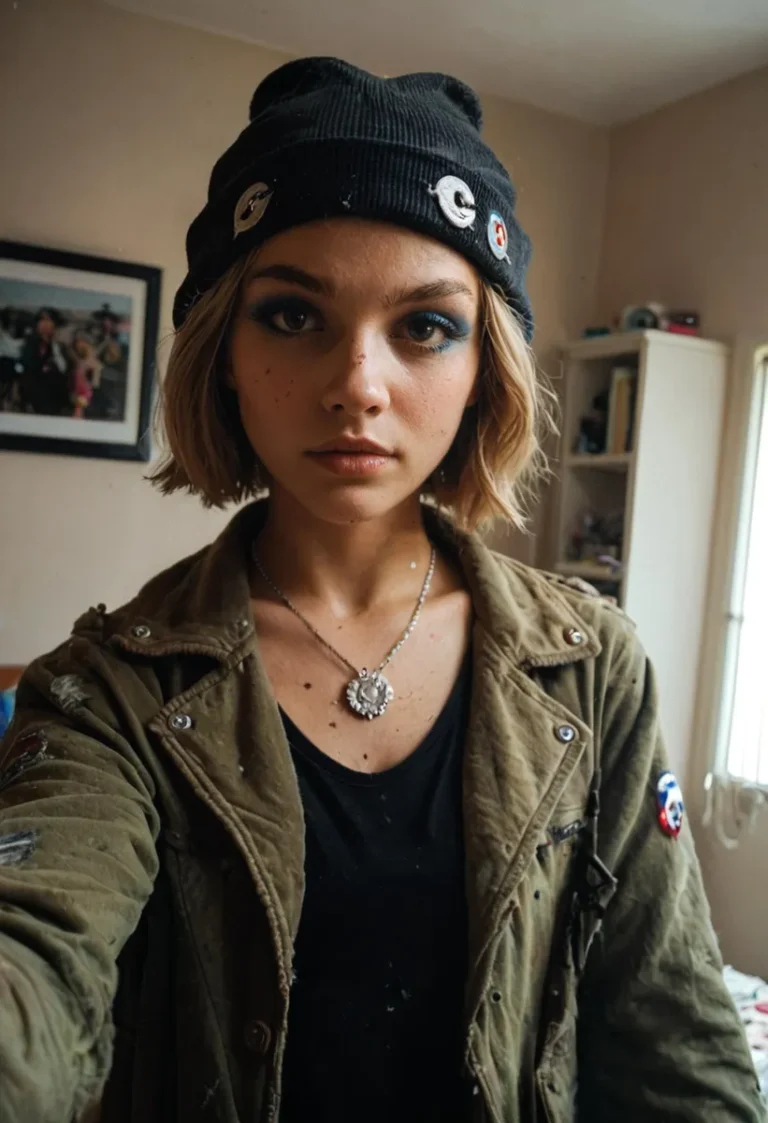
369	694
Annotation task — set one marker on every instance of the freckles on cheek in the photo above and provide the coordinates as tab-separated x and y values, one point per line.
255	387
433	413
418	405
262	388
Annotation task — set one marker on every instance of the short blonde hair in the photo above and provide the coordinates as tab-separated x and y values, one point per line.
490	471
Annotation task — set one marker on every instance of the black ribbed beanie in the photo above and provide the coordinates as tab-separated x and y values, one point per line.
326	139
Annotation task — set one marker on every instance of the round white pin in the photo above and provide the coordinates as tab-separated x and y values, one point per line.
456	200
498	239
251	206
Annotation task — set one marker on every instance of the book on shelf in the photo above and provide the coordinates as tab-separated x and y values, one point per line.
621	409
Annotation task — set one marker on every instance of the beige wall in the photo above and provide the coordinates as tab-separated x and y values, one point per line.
687	224
686	219
110	124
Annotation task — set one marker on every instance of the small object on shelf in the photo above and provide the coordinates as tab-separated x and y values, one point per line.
655	316
621	410
610	561
641	317
684	323
599	551
593	428
595	332
583	532
596	544
630	437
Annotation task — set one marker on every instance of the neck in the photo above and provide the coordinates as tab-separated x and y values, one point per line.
351	568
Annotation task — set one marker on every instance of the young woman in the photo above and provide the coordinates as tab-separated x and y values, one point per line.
324	823
44	381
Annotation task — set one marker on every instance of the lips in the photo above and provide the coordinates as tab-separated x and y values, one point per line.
351	446
352	457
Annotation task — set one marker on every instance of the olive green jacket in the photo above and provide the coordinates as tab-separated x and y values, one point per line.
151	869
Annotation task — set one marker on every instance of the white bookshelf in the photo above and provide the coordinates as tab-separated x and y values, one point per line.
663	489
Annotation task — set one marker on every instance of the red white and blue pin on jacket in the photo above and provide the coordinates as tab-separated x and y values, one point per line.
669	803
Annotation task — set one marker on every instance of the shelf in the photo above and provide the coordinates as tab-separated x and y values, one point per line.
601	462
606	346
631	342
589	571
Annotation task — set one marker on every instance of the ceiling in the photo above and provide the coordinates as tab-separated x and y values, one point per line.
602	61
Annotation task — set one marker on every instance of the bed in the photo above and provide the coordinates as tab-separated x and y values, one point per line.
750	994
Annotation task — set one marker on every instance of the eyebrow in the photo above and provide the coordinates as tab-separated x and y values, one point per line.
293	276
432	290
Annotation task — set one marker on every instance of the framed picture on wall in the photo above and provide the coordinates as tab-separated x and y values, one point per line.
78	337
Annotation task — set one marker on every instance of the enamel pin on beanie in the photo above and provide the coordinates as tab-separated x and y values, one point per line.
455	200
498	236
326	139
250	207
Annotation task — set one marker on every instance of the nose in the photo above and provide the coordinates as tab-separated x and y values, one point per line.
358	384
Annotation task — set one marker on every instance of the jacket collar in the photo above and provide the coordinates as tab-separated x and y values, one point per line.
202	604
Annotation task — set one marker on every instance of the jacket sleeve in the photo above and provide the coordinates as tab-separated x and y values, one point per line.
77	865
659	1037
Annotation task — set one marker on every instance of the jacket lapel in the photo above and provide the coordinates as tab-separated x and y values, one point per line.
515	771
224	732
522	745
236	755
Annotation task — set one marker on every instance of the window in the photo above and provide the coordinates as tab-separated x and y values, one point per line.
743	725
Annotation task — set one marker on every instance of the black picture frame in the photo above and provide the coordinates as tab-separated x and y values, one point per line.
28	270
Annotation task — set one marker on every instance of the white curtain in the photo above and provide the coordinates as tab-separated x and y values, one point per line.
737	785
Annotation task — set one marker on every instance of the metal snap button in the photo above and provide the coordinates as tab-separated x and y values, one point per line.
141	631
574	637
566	734
496	996
180	722
258	1037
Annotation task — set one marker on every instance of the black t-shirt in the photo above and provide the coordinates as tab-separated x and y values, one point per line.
376	1014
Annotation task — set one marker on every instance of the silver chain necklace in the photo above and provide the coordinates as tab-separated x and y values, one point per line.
369	692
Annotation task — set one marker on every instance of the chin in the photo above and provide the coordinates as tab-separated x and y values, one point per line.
347	503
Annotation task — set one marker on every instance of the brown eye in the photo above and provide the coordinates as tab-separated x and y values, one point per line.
291	320
286	316
422	330
434	331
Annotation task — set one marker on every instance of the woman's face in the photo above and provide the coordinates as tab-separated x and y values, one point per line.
347	332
